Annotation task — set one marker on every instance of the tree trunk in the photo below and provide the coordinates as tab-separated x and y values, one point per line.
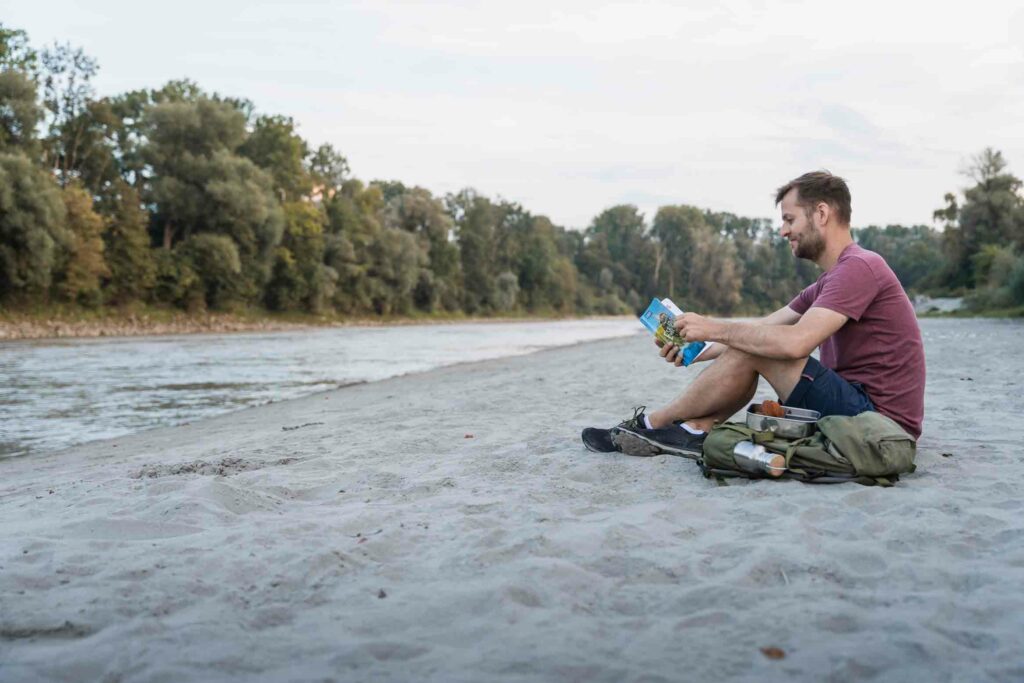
658	253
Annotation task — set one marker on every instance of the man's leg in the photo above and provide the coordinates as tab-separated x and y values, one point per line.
715	395
718	392
725	387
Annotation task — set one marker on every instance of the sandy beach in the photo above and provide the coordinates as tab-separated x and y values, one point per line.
449	526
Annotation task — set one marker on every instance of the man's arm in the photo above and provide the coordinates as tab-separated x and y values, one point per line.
772	337
783	316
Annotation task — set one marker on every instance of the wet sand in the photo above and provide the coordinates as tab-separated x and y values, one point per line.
449	526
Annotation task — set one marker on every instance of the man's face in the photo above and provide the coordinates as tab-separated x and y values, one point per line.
798	226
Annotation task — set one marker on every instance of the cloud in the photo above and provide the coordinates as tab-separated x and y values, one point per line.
570	107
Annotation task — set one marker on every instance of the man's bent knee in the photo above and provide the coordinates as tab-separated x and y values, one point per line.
782	373
736	356
745	358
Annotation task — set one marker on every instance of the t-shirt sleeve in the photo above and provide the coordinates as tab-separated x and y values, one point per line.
802	301
849	290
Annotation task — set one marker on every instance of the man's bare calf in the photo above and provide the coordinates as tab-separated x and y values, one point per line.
725	387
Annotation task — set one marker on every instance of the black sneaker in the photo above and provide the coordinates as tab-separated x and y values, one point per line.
674	440
600	440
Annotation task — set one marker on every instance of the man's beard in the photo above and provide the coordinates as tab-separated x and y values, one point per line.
810	245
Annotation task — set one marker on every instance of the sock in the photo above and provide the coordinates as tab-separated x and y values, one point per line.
691	429
647	422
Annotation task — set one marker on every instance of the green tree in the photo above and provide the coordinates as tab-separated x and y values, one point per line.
300	279
83	266
328	170
543	282
128	135
396	262
67	92
506	292
15	51
94	161
200	185
389	189
714	279
617	242
378	266
274	146
769	273
416	211
215	260
992	212
19	113
176	281
182	91
679	230
476	218
128	252
914	253
352	228
32	229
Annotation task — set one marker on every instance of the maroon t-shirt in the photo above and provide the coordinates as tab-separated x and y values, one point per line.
880	345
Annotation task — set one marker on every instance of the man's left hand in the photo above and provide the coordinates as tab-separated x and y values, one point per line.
694	327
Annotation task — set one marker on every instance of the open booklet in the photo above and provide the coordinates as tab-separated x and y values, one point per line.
659	318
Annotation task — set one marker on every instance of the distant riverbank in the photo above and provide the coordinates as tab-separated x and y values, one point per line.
68	322
62	322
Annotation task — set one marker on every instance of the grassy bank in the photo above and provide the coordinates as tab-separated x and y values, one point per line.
57	321
1011	312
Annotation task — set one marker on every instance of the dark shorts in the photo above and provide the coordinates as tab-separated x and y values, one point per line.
824	390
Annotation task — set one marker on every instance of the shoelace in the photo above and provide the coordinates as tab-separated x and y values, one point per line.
636	421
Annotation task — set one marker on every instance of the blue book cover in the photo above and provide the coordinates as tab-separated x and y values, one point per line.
659	319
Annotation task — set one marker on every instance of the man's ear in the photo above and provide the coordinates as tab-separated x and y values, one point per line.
822	212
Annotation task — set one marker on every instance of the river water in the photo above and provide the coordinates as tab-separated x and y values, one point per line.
58	393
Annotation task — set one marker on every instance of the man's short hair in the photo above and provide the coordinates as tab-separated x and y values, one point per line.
820	186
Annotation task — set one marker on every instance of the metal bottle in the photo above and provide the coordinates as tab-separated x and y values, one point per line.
756	459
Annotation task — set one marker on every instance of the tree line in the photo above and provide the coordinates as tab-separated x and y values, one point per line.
182	198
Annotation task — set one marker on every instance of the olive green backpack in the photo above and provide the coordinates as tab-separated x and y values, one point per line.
868	449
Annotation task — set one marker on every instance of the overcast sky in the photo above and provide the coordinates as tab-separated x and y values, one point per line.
572	107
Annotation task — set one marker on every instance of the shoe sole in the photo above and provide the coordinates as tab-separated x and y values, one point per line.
594	448
634	444
598	450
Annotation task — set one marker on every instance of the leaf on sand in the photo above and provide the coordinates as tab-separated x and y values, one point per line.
773	652
468	436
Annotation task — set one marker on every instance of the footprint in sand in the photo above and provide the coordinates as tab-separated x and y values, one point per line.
523	596
386	651
123	530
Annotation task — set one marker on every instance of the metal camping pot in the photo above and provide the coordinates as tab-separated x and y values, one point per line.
756	459
797	424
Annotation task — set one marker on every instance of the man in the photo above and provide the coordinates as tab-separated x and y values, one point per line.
872	356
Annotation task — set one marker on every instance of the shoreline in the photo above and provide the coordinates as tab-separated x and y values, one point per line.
184	422
71	323
16	326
